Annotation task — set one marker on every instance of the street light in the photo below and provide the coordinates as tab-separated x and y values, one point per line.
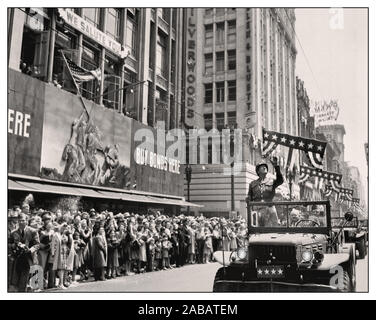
232	149
188	176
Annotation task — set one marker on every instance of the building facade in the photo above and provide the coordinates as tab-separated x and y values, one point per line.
74	137
240	73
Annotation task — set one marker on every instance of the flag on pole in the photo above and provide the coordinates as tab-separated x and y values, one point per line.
82	75
314	149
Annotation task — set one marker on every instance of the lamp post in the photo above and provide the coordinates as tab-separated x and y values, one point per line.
232	169
188	176
290	174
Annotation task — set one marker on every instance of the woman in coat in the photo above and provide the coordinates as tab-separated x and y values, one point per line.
99	254
61	252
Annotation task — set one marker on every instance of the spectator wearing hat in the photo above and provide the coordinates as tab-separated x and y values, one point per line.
24	243
263	189
100	254
45	235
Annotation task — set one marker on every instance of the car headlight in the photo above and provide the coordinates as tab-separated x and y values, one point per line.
307	255
241	253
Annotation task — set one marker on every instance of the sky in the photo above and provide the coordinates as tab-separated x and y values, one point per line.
335	43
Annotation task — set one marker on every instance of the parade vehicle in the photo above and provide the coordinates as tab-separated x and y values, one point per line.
300	253
363	225
351	232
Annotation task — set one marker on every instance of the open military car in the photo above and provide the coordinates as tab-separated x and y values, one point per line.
299	252
351	232
363	226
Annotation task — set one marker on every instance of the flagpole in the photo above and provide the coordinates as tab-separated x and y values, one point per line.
75	83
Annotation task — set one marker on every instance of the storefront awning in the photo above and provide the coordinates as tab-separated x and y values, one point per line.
87	192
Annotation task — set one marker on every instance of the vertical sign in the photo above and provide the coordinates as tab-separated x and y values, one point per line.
190	91
250	119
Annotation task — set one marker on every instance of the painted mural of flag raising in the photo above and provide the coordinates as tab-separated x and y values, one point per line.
314	149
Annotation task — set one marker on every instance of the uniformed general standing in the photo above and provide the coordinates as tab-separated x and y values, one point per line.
263	190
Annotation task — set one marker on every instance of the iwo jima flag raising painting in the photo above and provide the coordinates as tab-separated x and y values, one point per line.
314	149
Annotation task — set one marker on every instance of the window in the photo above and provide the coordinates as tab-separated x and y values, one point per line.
92	15
161	58
111	83
231	119
209	12
220	89
166	14
220	11
209	35
220	33
208	93
232	90
220	61
131	36
220	120
90	61
208	121
113	23
208	64
231	31
129	95
231	59
231	10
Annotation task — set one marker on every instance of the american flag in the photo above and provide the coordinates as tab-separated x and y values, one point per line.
82	75
314	149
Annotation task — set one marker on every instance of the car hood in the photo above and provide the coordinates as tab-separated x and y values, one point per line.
286	238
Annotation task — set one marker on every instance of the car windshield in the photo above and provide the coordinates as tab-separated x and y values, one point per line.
288	215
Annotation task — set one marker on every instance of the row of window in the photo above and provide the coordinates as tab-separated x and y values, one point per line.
220	62
114	25
219	11
220	33
220	91
220	120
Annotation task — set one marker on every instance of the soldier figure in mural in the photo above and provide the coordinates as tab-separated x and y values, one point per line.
263	189
86	161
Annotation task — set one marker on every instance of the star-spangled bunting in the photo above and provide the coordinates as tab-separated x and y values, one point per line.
314	149
341	194
321	176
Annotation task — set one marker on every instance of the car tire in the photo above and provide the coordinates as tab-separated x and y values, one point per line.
347	283
362	249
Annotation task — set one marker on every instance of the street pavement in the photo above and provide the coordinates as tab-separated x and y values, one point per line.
190	278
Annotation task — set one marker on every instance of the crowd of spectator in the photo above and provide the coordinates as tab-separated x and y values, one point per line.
73	246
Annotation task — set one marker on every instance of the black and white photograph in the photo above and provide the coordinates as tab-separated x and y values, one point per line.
164	149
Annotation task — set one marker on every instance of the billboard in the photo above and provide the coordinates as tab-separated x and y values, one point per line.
25	123
325	112
84	145
153	170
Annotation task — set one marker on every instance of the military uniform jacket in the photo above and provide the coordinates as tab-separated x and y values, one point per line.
264	190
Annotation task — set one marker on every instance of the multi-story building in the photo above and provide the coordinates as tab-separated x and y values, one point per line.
138	50
66	134
240	73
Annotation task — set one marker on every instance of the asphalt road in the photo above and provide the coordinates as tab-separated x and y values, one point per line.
190	278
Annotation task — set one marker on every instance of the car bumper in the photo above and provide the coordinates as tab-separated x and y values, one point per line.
269	286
